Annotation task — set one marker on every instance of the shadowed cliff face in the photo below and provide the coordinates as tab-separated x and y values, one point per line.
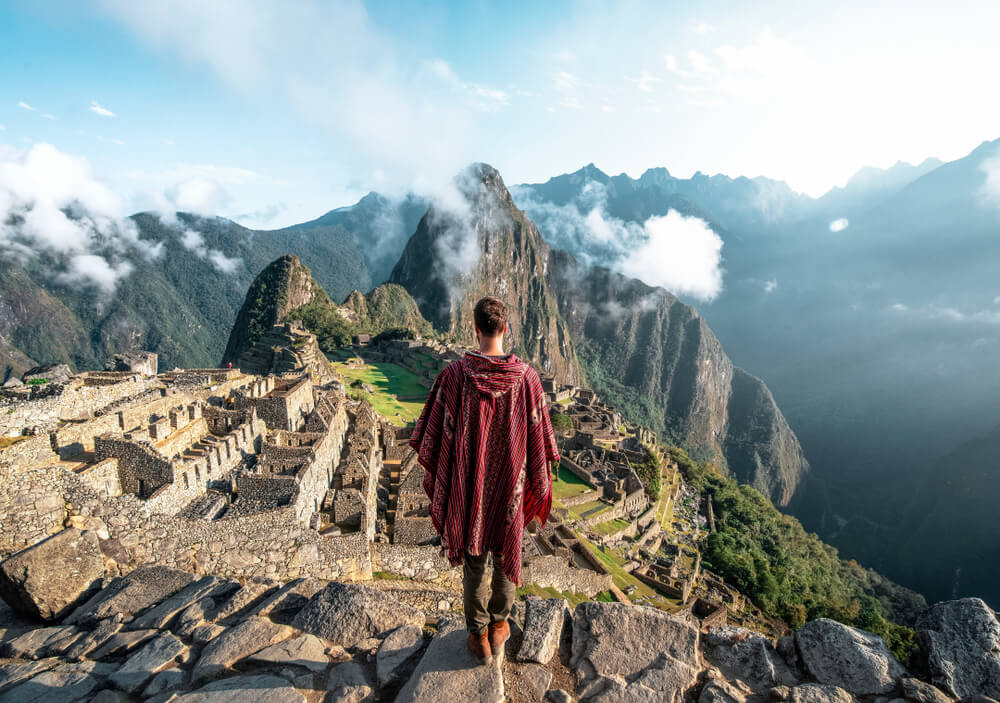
483	246
657	359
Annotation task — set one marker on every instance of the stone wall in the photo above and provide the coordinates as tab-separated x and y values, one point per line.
553	571
424	563
48	403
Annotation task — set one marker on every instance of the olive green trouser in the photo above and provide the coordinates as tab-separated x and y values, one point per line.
481	608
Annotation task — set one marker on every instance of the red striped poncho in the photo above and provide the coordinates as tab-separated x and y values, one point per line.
485	440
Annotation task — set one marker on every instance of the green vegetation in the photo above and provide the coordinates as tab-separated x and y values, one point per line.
394	333
572	597
789	573
610	527
390	382
591	508
561	422
7	441
332	329
648	471
37	382
566	484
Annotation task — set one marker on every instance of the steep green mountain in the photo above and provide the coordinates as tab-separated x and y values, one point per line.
487	247
638	346
286	291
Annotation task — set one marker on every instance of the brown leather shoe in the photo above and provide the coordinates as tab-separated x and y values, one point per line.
479	645
498	634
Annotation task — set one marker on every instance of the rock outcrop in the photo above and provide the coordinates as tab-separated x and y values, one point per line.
962	642
484	245
49	578
355	642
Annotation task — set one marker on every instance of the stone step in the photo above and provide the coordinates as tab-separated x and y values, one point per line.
449	672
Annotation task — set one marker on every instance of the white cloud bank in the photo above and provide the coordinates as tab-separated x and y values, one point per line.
53	210
680	253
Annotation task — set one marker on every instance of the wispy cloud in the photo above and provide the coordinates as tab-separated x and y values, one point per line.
47	116
671	62
701	63
770	285
567	86
25	106
99	109
2	128
646	81
119	142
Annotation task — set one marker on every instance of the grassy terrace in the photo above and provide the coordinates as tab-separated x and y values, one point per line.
389	381
590	509
610	527
567	484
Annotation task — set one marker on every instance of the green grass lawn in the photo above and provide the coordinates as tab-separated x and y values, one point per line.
590	509
574	598
610	527
567	484
388	380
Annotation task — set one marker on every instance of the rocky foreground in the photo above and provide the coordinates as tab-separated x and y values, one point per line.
162	635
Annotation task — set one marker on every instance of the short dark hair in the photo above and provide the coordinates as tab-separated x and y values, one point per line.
490	316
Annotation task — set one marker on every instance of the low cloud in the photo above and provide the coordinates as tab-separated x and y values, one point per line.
25	106
53	211
679	253
194	241
771	285
98	109
989	191
840	224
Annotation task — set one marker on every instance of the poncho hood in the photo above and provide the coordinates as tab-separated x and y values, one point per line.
494	377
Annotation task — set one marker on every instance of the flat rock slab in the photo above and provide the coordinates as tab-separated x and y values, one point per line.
121	643
40	642
12	673
855	660
665	681
396	650
105	630
131	594
449	672
818	693
292	596
347	613
48	579
245	689
748	656
160	616
160	653
64	684
236	643
962	641
307	651
543	625
622	640
348	683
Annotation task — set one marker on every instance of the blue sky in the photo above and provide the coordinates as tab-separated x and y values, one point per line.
274	112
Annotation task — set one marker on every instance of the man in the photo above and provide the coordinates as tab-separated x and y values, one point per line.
485	440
